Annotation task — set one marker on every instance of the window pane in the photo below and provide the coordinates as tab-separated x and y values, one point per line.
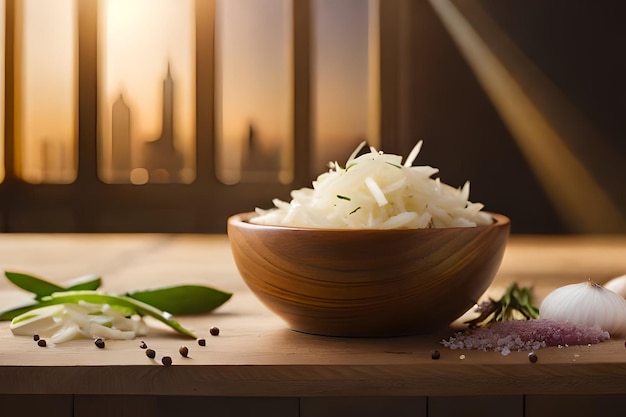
345	78
46	90
147	91
254	90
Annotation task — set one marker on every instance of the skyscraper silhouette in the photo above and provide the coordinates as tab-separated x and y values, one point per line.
259	162
160	157
120	140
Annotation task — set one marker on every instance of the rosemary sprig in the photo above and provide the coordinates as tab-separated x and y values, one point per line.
515	304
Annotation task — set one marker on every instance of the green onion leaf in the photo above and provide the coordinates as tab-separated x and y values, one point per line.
38	286
183	299
14	312
86	282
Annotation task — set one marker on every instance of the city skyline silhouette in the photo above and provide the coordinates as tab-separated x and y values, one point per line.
159	157
259	161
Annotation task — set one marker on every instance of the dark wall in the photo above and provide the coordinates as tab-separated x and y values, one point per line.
579	47
576	44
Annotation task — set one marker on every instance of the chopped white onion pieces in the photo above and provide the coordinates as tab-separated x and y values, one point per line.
62	322
377	191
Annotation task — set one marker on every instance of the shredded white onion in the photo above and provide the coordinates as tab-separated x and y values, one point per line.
377	191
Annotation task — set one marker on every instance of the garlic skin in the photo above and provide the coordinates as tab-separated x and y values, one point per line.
617	285
586	304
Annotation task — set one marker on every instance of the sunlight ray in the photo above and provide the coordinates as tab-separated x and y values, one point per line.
580	201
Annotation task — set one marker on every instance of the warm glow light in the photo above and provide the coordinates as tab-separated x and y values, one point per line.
2	62
139	176
140	42
373	117
559	171
253	88
345	77
47	132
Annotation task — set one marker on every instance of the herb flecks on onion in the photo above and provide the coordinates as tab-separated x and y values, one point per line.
586	304
377	190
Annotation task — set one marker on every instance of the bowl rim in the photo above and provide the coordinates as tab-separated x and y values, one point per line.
242	220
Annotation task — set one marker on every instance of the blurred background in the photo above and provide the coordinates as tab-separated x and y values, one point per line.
171	115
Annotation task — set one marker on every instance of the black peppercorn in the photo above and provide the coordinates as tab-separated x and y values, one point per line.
215	331
36	337
202	342
41	342
99	342
143	345
435	354
166	360
184	351
532	357
150	353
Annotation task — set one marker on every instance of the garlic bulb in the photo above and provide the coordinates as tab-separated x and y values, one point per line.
617	285
586	304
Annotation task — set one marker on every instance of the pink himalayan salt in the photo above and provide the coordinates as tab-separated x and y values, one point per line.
518	335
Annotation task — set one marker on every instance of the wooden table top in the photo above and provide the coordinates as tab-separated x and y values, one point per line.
256	355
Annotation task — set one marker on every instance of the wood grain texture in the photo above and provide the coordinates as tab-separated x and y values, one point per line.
367	283
257	355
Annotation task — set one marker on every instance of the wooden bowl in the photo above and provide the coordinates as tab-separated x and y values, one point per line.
367	283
